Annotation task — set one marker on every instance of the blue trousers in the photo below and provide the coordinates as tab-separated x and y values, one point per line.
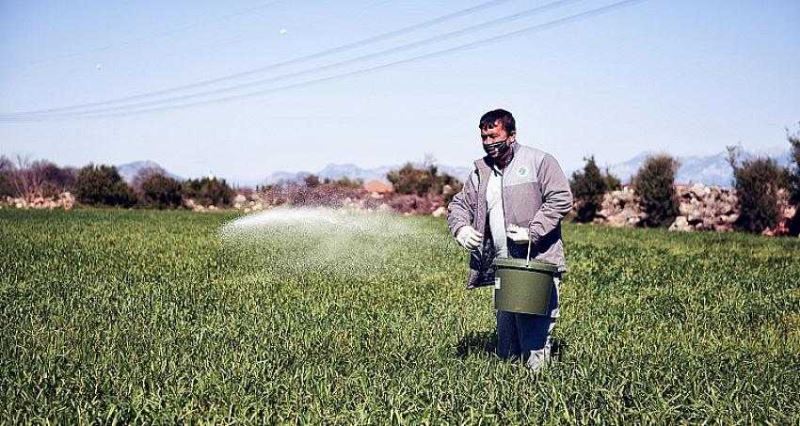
527	336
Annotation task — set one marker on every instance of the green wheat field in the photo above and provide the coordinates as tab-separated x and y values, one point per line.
113	316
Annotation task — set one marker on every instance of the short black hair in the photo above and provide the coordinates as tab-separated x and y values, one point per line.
490	118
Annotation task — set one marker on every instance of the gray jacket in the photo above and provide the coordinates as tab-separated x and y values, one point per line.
535	195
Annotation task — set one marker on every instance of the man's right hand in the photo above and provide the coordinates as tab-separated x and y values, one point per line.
469	238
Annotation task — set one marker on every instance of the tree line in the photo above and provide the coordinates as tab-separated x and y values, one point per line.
102	185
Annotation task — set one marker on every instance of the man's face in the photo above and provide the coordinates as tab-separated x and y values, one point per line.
492	135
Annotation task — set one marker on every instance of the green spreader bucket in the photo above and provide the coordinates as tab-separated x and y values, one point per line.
523	286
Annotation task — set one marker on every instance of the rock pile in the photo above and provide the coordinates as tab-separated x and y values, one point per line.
64	200
193	205
409	204
248	203
705	208
620	208
701	208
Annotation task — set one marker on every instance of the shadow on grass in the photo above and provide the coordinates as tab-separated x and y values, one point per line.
485	343
477	342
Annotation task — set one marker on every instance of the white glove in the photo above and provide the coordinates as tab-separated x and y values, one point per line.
518	234
468	237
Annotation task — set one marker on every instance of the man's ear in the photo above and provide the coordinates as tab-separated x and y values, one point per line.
513	137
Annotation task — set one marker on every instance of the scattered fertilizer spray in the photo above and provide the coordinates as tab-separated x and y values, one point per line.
338	221
326	240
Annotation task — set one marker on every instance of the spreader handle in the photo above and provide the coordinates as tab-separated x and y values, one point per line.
528	259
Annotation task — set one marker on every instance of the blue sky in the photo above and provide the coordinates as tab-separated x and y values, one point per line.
684	77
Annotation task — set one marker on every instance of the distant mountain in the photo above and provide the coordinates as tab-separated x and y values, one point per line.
286	177
352	171
710	169
628	168
129	170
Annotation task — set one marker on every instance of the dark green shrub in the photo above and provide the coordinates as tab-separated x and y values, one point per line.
6	177
412	180
756	182
54	180
160	191
208	191
654	183
588	187
102	185
311	181
426	180
612	182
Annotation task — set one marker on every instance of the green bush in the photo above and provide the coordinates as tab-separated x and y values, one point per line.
208	191
612	182
160	191
412	180
426	180
588	187
757	182
654	183
53	179
311	181
102	185
6	176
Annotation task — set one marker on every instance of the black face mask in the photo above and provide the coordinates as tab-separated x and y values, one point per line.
497	149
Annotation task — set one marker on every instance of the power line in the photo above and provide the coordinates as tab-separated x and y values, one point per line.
316	55
530	29
314	70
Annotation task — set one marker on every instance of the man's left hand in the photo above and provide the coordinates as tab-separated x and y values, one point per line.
518	234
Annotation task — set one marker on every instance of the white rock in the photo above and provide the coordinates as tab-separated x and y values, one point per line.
681	224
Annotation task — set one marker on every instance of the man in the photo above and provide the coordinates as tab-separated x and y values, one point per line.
516	195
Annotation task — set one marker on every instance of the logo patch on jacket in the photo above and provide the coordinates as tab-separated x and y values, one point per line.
523	171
